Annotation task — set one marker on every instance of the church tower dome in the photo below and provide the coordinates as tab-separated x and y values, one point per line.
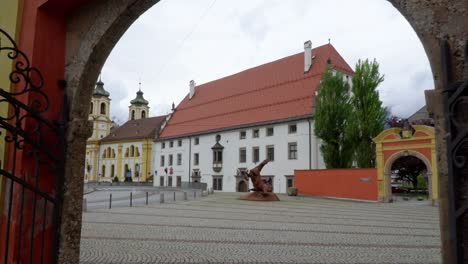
138	108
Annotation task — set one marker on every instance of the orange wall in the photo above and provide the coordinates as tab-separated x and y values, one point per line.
342	183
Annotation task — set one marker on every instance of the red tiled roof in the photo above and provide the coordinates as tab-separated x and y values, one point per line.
136	129
272	91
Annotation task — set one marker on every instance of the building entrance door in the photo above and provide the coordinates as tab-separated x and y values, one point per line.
242	186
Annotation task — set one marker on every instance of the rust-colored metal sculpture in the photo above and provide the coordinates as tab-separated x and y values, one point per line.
263	189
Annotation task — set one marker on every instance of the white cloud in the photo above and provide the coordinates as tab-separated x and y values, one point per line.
236	35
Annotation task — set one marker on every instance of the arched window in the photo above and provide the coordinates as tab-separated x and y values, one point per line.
103	171
103	108
113	153
137	152
91	109
108	152
132	151
133	114
143	114
126	153
104	154
112	175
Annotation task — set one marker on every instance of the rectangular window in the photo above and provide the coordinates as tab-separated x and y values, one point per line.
292	129
196	141
170	160
270	152
171	144
217	156
255	133
162	161
218	183
242	135
161	181
255	154
163	145
179	181
242	155
269	131
169	181
196	158
179	143
292	151
179	159
289	182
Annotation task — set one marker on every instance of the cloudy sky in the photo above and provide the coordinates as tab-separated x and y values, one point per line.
204	40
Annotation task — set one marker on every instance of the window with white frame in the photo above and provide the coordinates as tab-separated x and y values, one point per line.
242	155
269	131
217	183
179	159
242	134
196	158
179	143
162	161
292	128
170	160
292	150
270	152
255	154
255	133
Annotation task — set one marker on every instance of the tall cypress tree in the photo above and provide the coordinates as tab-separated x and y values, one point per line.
332	109
368	116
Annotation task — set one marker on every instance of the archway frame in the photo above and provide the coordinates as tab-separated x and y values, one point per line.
405	153
95	27
411	146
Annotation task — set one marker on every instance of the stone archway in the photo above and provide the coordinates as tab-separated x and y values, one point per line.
93	30
395	157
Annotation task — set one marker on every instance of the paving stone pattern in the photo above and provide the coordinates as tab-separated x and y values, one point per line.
219	228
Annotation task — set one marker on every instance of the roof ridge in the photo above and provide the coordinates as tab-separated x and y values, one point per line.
246	109
251	91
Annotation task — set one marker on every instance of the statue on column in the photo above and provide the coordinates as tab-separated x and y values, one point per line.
262	189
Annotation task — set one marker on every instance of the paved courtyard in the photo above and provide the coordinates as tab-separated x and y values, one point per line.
221	229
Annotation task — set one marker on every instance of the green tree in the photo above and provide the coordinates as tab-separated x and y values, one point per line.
332	108
367	118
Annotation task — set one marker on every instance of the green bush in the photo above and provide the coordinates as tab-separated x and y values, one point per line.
116	179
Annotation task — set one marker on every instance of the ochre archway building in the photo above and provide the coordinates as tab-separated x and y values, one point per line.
394	143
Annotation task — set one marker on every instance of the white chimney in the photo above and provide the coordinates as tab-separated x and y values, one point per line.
192	89
307	55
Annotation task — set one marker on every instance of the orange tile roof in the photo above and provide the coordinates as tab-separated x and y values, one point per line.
273	91
136	129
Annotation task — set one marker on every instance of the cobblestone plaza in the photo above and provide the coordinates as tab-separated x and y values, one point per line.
219	228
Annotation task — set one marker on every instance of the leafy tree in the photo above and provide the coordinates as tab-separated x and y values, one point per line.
408	169
367	117
331	112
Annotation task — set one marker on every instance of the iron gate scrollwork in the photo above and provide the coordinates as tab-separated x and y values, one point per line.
31	173
456	117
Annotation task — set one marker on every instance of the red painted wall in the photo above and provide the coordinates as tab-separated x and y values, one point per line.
342	183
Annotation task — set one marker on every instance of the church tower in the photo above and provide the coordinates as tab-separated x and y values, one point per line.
138	108
99	112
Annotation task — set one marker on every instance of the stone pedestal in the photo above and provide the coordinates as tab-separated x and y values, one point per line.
260	196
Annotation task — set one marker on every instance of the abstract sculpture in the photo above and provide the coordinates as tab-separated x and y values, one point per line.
262	190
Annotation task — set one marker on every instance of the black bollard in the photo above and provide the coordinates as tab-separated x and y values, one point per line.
146	198
130	199
110	201
174	196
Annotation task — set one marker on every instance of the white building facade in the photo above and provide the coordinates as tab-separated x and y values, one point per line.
234	123
289	145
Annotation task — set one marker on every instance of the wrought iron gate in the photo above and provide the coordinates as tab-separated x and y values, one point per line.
456	118
31	173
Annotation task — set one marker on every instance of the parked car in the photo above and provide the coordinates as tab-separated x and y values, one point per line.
399	189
